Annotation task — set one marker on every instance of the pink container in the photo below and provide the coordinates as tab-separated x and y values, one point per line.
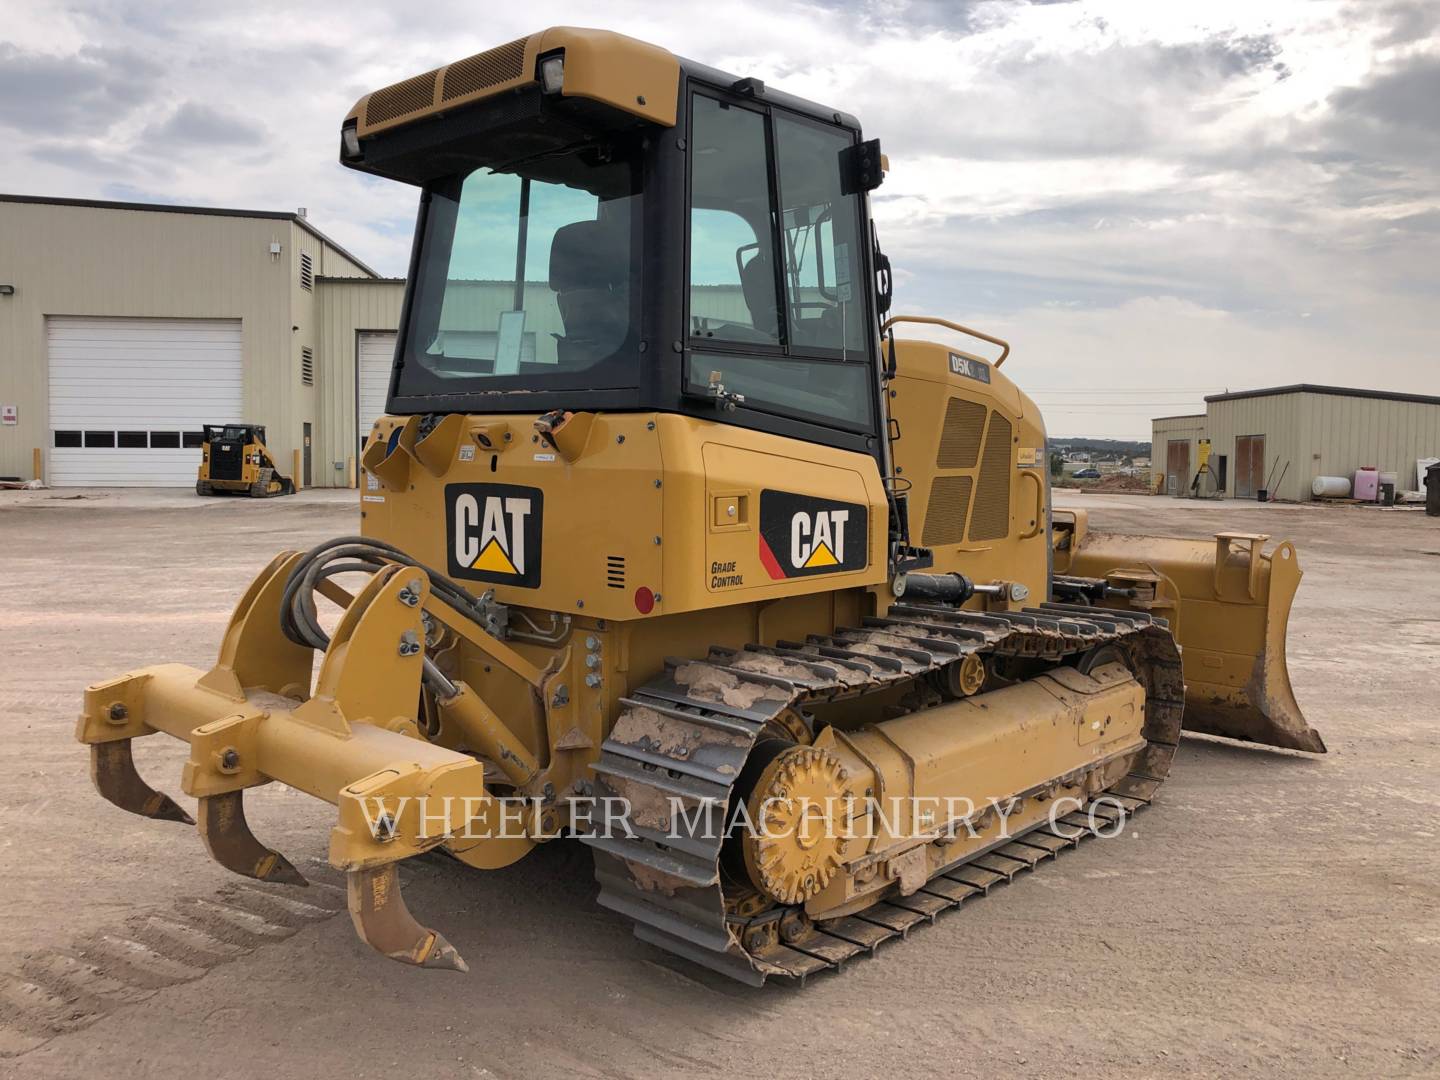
1367	485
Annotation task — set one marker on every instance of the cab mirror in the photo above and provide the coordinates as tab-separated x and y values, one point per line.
884	285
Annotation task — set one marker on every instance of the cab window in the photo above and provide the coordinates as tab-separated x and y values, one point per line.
733	287
819	239
778	312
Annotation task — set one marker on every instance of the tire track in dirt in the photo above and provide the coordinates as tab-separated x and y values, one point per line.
54	991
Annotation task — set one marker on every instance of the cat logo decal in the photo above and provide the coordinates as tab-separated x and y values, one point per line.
802	535
494	532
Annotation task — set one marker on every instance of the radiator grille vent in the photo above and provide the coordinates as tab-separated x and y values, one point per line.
945	516
615	571
991	520
960	437
484	69
227	464
409	96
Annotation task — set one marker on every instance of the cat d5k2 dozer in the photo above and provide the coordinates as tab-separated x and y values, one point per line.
664	519
234	460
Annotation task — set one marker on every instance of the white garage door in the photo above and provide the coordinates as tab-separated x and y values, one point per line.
376	352
128	397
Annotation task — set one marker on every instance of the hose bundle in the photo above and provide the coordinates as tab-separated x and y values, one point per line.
349	554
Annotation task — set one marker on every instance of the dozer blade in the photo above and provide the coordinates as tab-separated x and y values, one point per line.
228	838
1228	603
112	768
385	924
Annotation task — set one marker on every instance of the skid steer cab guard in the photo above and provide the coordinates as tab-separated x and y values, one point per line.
352	741
1228	604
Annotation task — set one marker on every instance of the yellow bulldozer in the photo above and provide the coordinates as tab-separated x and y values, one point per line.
671	545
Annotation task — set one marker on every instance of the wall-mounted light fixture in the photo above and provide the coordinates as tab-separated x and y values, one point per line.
7	290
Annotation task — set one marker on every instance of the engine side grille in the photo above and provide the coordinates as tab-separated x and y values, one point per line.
991	520
945	514
489	68
409	96
960	436
615	571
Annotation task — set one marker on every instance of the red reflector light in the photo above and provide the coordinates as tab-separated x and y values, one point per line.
644	600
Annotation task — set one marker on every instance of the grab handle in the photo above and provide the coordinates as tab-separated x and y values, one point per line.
933	321
1039	524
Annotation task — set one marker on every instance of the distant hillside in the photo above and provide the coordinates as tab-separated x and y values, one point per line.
1101	447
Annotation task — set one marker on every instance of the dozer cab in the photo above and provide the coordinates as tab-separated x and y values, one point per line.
671	544
235	461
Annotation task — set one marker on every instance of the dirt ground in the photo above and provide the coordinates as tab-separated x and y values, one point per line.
1273	914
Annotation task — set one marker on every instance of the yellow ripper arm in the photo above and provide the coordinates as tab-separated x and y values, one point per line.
1228	603
352	742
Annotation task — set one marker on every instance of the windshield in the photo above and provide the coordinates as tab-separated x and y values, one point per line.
526	278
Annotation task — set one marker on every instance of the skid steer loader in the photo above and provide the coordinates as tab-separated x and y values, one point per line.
668	542
234	460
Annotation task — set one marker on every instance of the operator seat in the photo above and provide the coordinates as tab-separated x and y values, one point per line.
757	285
589	273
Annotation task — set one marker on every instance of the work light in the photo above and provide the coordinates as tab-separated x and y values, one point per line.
552	74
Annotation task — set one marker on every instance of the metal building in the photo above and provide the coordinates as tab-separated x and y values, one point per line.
124	327
1280	439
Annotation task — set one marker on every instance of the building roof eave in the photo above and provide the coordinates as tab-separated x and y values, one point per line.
1332	391
208	211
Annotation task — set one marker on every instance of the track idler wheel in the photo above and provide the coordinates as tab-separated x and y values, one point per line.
230	842
384	922
112	768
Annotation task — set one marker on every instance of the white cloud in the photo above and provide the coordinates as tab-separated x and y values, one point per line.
1140	194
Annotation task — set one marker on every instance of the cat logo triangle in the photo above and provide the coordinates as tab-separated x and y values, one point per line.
821	556
494	559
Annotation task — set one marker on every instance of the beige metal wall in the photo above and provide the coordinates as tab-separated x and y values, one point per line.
345	309
1277	417
1166	429
1341	434
1327	435
311	403
65	259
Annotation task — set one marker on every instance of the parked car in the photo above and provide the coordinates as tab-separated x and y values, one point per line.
1087	474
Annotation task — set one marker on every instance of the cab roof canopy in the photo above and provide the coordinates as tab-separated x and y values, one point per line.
619	71
425	127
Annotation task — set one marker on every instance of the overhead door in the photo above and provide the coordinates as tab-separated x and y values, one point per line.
376	353
128	397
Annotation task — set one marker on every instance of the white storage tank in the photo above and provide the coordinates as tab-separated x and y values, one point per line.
1330	487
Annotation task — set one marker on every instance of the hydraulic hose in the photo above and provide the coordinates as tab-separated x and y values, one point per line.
349	554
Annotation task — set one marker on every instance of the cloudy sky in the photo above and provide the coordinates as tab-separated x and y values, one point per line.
1152	200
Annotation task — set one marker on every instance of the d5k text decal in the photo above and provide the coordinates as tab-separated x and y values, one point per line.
800	535
493	533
